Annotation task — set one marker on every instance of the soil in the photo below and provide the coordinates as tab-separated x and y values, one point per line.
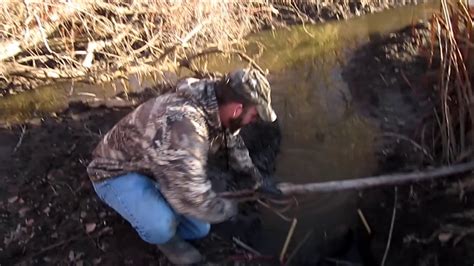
310	12
48	204
50	213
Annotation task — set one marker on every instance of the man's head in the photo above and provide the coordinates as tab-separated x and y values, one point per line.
243	97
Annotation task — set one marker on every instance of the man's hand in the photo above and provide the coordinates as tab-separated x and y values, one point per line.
266	185
232	209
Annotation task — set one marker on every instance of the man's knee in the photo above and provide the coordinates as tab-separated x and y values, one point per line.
159	231
198	230
203	230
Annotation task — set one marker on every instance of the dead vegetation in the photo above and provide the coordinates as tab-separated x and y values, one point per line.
107	40
451	55
100	41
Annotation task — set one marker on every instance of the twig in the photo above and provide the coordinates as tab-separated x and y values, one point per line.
238	194
64	242
20	140
391	227
246	247
9	48
298	247
406	80
341	262
250	258
55	245
192	33
364	221
215	50
414	143
183	41
274	211
43	33
288	238
383	79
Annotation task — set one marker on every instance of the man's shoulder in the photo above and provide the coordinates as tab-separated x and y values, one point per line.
183	109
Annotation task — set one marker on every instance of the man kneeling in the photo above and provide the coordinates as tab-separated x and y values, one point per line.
151	166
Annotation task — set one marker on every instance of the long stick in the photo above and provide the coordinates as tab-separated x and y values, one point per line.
360	183
375	181
288	238
392	223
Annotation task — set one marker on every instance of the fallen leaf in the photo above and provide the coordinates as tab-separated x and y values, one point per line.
54	235
12	199
46	210
97	261
22	212
444	237
71	255
83	214
29	222
90	227
80	263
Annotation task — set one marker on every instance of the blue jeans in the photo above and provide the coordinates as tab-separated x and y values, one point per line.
137	198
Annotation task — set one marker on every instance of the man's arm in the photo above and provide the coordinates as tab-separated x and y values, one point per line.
239	158
182	160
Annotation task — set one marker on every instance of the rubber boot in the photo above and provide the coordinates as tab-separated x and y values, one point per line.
180	252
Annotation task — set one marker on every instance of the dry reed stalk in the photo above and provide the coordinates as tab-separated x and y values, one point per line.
451	31
99	41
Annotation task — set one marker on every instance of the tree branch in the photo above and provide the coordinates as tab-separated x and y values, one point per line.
356	184
375	181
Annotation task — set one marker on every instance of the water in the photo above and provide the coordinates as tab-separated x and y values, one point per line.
323	136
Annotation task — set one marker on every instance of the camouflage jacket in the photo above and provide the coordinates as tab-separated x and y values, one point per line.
168	138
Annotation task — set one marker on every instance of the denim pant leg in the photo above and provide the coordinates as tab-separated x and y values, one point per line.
191	228
138	200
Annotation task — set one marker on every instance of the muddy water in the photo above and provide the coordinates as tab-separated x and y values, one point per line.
323	136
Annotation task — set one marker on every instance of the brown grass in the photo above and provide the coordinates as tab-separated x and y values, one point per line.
452	45
102	40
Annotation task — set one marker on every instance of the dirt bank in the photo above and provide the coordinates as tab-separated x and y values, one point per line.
432	220
321	11
50	214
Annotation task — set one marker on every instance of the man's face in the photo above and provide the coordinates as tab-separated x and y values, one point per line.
234	116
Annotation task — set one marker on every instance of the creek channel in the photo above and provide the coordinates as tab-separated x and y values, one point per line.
323	136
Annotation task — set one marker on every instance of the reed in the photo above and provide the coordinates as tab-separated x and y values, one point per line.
452	54
100	41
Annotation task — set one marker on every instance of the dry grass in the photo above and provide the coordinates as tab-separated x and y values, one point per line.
452	46
97	41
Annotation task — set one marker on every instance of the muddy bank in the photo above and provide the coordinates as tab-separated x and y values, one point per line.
322	11
50	213
48	204
432	221
394	90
